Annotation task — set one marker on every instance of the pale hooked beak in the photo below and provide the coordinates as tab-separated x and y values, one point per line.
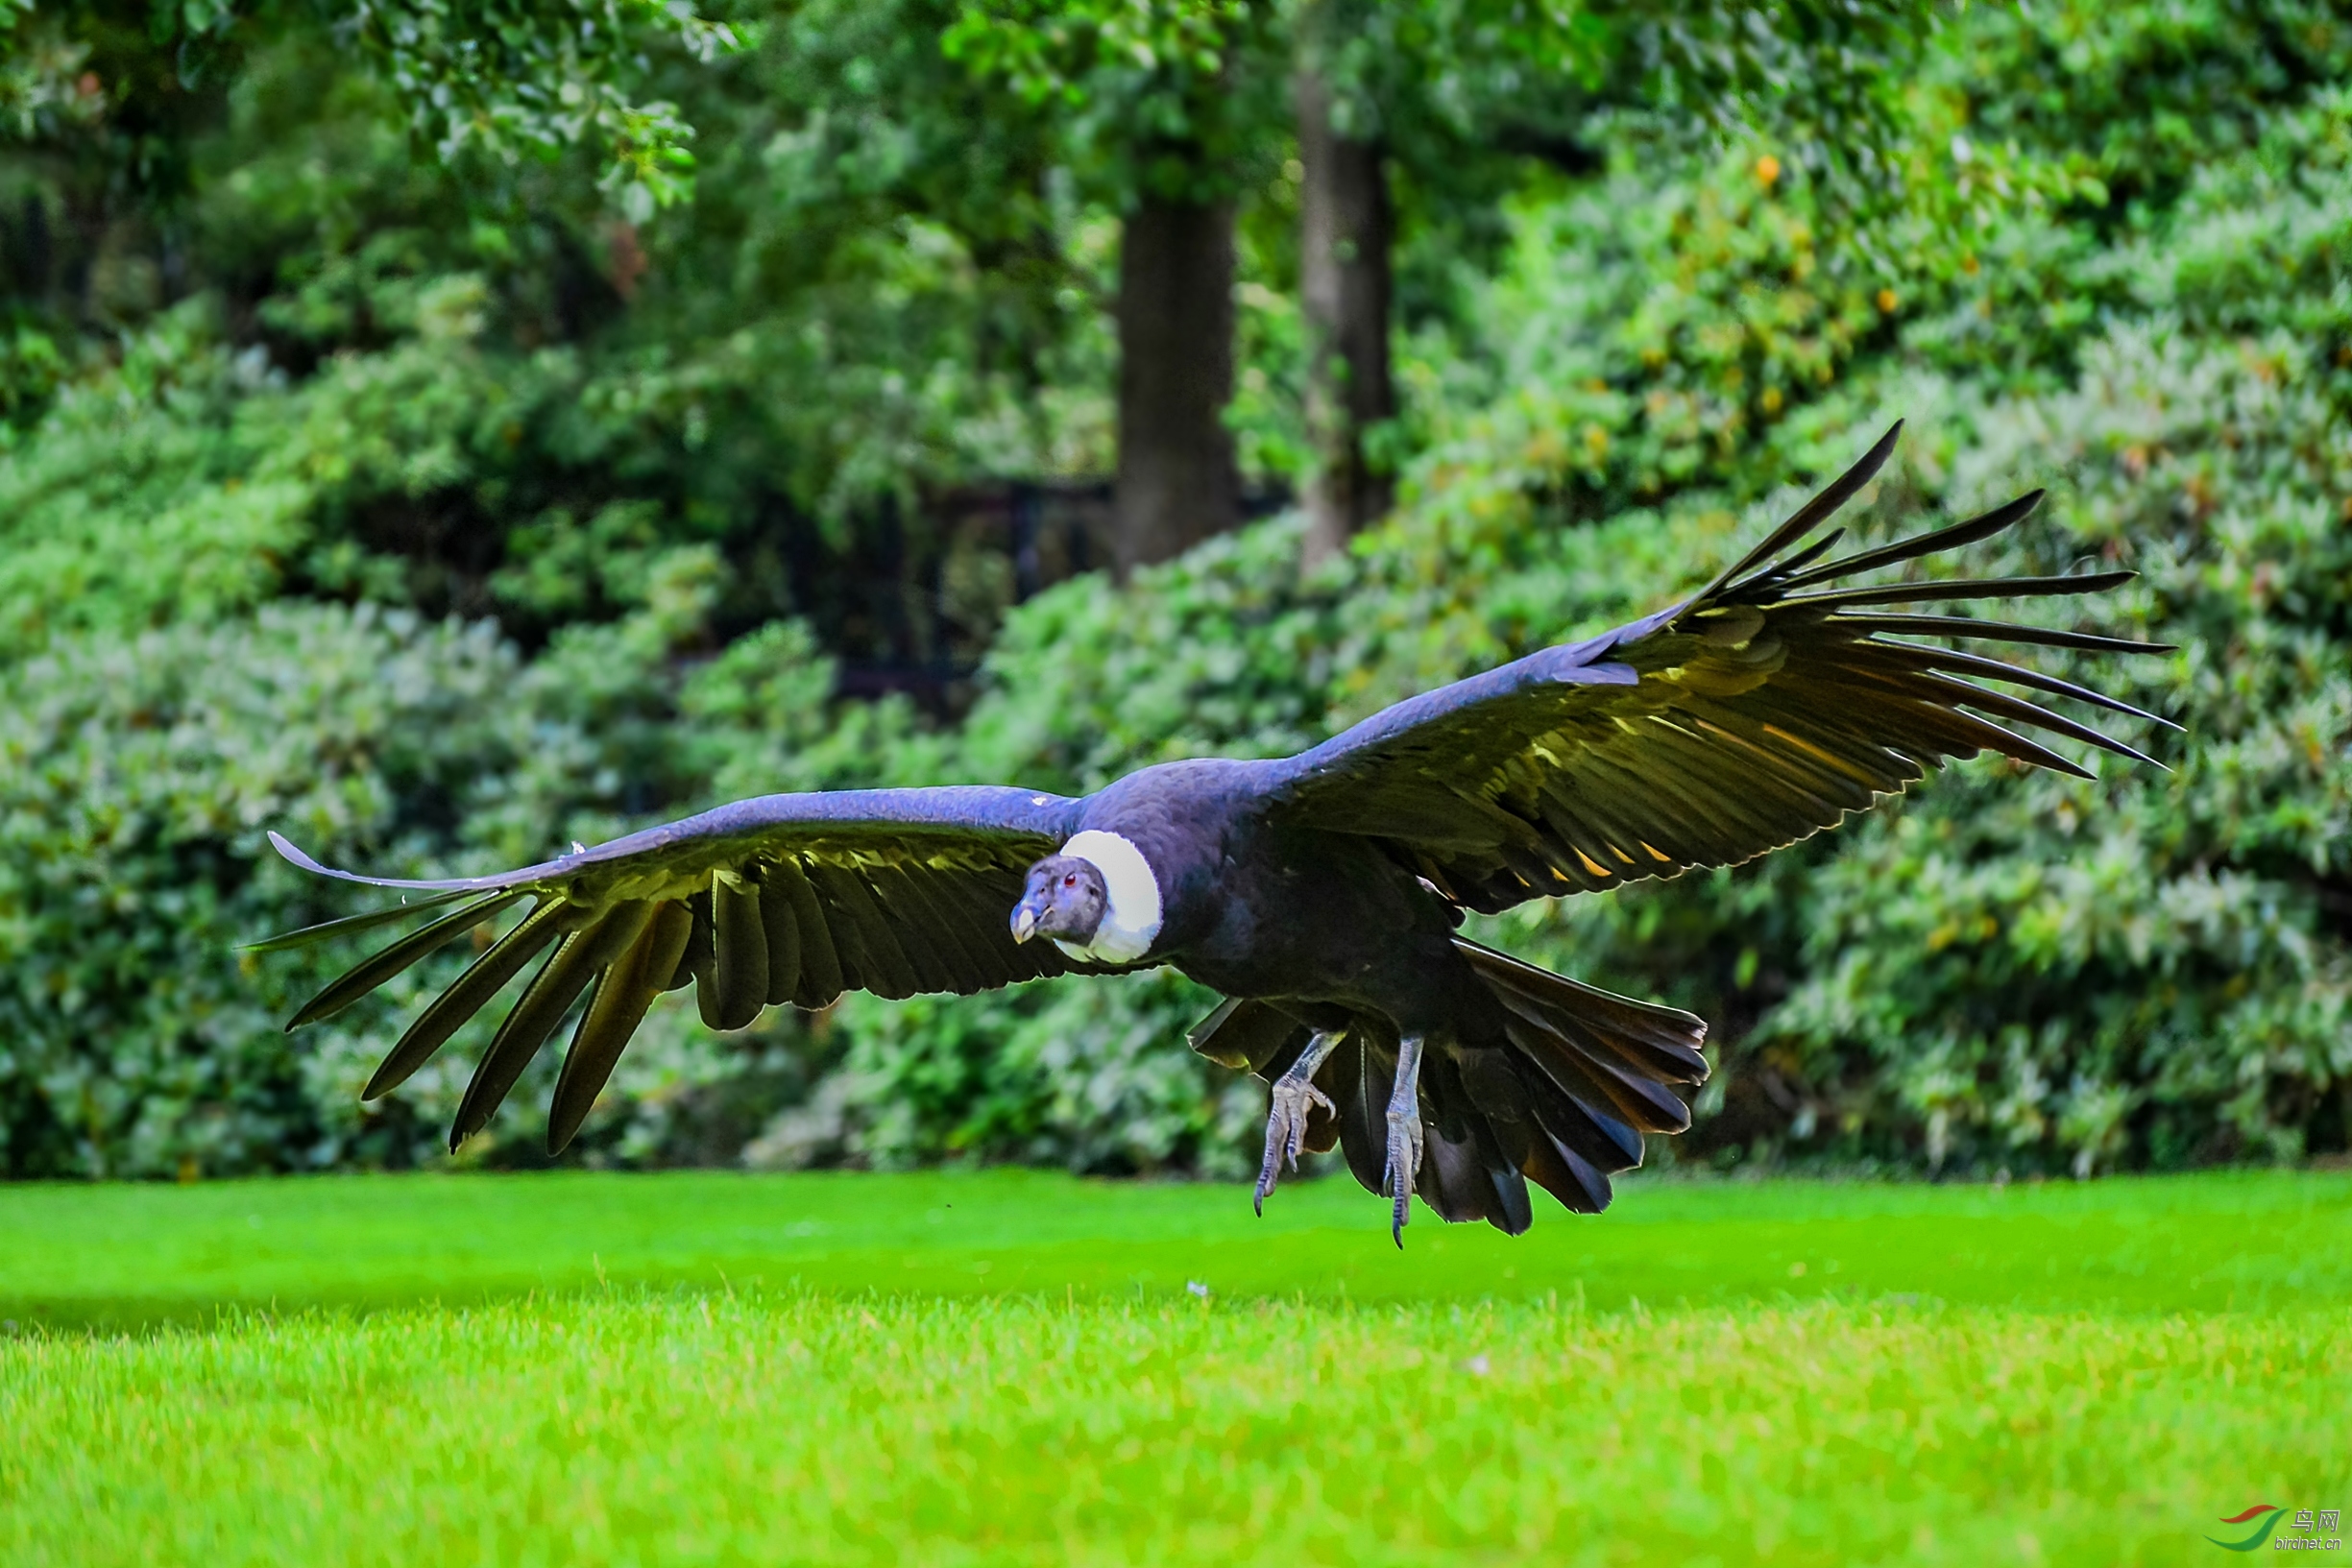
1023	923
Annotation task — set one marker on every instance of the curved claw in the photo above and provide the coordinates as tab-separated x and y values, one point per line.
1286	1131
1405	1157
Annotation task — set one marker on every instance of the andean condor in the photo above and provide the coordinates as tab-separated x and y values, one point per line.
1321	893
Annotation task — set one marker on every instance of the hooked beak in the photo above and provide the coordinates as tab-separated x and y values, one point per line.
1023	923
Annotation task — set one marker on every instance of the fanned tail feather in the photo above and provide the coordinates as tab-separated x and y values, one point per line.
1562	1102
1588	1073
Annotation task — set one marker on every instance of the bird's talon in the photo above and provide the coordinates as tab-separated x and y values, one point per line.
1404	1152
1286	1122
1292	1096
1404	1165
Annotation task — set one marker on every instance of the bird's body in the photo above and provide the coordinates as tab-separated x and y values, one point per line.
1326	936
1321	894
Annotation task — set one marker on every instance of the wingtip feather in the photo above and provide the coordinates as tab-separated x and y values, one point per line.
440	884
1815	510
1984	525
284	846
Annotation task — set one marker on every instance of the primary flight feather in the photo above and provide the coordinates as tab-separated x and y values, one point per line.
1320	893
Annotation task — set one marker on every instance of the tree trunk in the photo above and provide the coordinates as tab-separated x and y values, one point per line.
1344	230
1176	480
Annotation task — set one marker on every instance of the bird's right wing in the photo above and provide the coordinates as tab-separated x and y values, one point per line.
786	897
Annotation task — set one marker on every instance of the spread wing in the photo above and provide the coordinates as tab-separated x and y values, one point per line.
1756	713
787	898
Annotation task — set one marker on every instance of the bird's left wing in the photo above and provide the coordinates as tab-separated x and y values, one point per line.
1757	712
786	897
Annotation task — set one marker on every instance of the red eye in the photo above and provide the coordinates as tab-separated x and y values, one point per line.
1070	880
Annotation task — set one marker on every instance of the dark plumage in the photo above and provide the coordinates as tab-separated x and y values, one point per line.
1320	892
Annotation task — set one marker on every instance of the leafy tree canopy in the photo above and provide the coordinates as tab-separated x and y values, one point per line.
502	80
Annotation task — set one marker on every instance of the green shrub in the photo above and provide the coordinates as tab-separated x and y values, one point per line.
138	775
1088	1075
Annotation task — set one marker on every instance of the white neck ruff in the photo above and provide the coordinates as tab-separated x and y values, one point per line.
1132	911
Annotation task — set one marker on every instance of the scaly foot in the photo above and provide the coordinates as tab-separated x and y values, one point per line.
1404	1137
1286	1116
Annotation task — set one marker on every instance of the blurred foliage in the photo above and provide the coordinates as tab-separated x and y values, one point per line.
119	85
1172	98
440	513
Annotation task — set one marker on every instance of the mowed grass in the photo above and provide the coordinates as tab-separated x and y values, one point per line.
1010	1367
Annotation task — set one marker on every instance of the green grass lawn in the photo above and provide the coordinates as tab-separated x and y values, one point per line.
1010	1367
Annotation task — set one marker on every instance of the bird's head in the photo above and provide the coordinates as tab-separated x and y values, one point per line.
1065	899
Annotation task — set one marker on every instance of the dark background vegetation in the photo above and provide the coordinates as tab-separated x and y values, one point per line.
446	432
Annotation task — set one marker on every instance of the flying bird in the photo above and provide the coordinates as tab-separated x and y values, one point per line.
1321	894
